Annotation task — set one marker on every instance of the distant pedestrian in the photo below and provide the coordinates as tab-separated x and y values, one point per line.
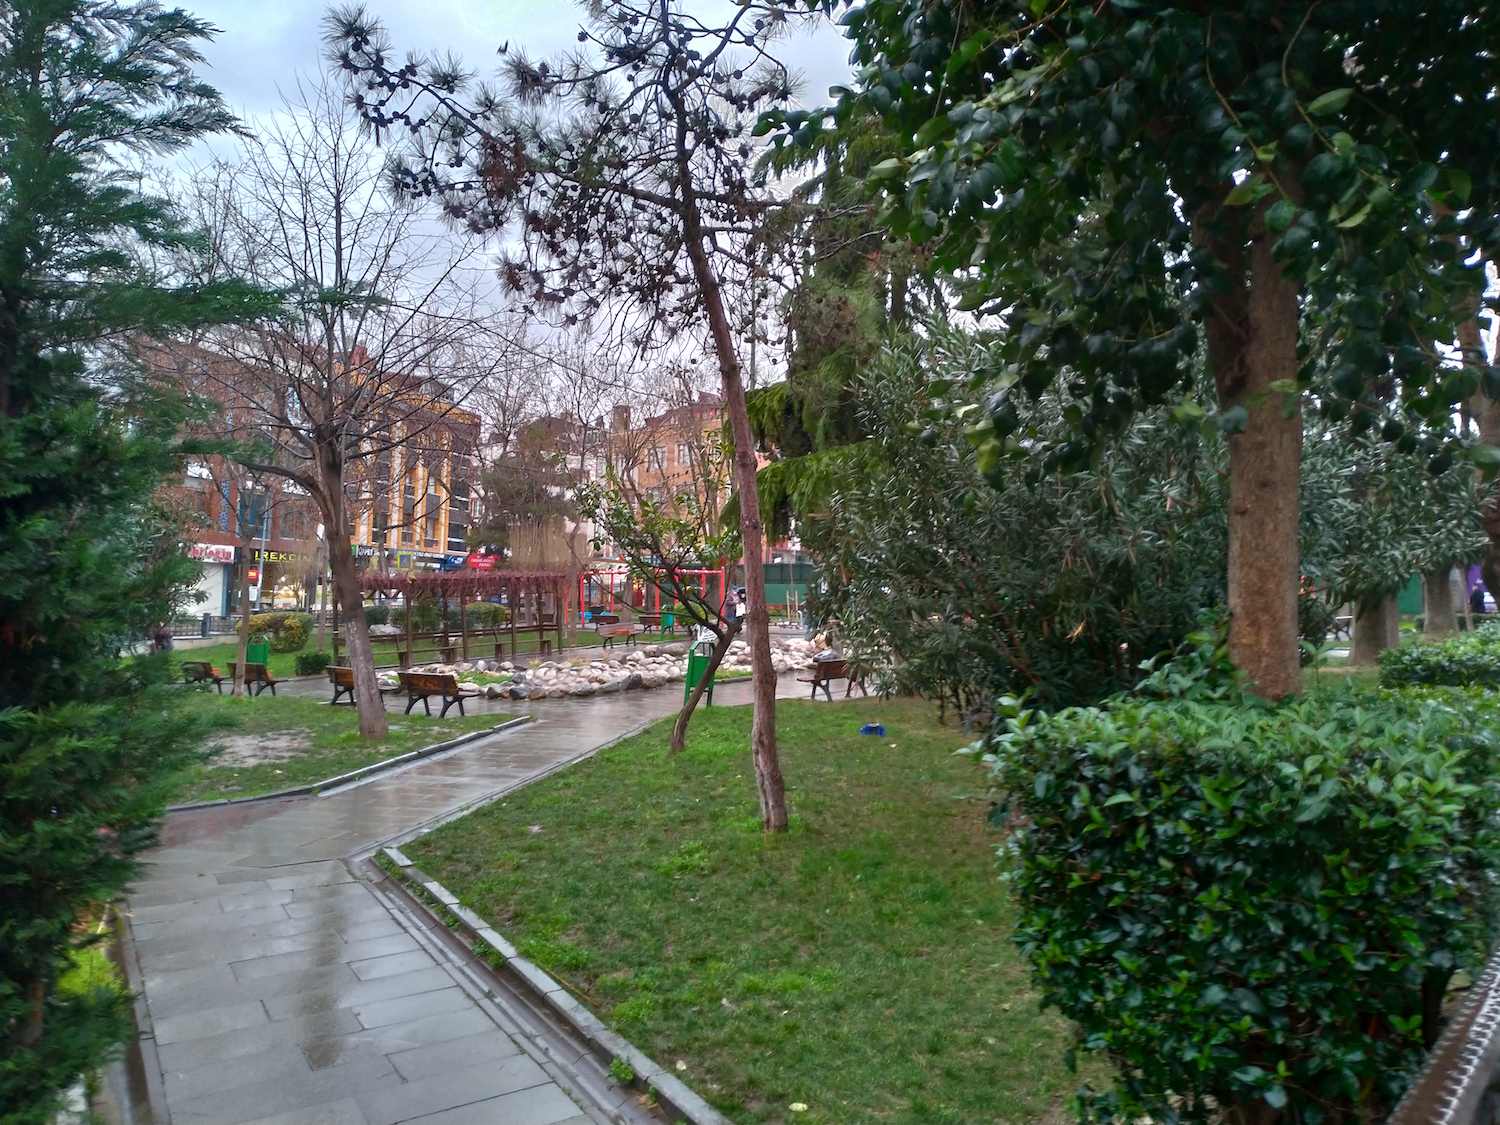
161	640
1476	598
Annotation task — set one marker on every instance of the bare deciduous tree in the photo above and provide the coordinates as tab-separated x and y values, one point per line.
384	334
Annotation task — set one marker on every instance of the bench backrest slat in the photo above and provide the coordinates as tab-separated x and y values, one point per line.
435	683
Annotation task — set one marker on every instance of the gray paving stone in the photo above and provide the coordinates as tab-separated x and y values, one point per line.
333	1049
345	1111
211	1021
305	1031
457	1054
454	1088
377	967
283	1061
381	927
368	949
286	1093
310	875
407	1009
307	1001
543	1105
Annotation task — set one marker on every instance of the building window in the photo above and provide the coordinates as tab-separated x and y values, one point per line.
684	454
659	457
296	522
254	515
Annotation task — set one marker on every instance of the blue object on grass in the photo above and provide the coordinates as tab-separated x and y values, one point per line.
873	728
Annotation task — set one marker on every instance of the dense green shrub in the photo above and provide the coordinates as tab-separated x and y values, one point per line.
1243	903
377	614
287	630
486	615
1467	660
313	662
90	745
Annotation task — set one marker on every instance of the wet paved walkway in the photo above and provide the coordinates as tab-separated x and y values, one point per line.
283	990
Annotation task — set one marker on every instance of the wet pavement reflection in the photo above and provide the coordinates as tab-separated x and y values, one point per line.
283	990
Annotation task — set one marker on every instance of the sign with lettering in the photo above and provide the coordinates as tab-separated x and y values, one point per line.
213	553
277	556
482	562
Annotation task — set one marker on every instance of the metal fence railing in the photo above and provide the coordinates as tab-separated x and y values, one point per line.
1460	1082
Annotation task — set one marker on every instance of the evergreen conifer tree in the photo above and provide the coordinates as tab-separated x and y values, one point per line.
88	743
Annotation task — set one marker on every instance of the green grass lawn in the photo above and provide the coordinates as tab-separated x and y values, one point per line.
310	740
860	964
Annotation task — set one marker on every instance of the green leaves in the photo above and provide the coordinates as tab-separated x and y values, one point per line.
1240	901
1326	105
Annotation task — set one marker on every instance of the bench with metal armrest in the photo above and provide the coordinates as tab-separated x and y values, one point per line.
421	686
824	672
342	680
202	672
609	634
257	676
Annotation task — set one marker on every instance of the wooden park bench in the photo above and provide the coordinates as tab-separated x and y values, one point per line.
824	672
423	685
609	634
202	672
257	675
651	621
342	680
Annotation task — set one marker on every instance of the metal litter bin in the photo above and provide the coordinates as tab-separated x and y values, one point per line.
697	664
258	649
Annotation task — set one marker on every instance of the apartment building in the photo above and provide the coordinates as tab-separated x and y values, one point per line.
408	496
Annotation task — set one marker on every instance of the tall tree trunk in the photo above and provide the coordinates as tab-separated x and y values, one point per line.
1440	616
238	689
768	780
1486	412
1377	627
721	649
367	698
1252	343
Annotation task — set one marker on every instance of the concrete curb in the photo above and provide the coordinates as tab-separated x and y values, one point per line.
148	1070
674	1095
363	773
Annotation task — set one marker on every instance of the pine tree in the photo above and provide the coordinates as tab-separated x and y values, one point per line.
88	743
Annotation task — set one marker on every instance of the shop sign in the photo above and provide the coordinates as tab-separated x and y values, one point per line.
482	562
454	562
277	556
363	552
213	553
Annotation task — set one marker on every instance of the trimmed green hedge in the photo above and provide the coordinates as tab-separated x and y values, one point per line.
1243	903
1467	660
311	663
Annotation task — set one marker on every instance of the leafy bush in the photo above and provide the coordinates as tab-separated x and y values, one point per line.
1468	660
486	615
1245	903
377	614
311	663
287	631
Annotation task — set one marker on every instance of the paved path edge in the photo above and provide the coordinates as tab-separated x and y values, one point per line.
370	772
671	1093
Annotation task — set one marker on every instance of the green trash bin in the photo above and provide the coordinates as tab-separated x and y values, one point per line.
698	658
258	649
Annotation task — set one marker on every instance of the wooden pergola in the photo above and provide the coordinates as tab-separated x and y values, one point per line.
535	600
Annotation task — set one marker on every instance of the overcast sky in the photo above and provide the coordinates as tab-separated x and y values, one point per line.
264	44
